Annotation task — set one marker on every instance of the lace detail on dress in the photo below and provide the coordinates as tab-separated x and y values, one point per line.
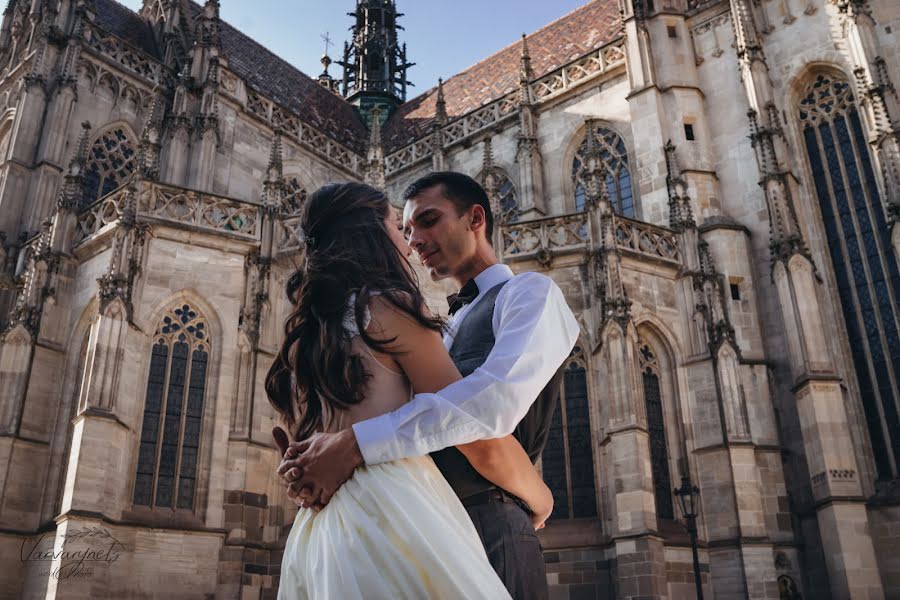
350	317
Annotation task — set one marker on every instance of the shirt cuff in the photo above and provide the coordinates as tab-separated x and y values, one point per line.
377	440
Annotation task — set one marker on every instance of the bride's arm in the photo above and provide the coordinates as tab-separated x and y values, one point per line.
425	361
504	462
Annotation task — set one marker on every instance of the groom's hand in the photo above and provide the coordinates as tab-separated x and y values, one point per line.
289	453
326	461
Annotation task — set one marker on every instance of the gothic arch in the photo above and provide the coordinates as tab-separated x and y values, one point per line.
112	158
6	130
801	75
67	406
507	191
569	186
213	336
659	374
844	192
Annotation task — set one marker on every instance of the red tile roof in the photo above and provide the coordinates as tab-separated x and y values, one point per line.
263	71
562	41
554	45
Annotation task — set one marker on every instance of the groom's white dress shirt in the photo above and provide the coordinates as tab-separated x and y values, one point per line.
534	331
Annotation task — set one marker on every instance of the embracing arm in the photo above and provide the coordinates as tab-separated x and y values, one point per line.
534	333
502	461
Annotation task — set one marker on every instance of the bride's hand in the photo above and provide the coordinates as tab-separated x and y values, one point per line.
541	508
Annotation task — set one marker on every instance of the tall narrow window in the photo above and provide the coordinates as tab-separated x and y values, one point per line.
502	193
110	161
568	459
170	434
618	176
656	427
507	201
859	244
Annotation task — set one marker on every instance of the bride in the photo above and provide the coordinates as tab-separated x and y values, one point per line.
358	343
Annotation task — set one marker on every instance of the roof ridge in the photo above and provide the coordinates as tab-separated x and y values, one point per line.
528	36
553	46
256	42
266	73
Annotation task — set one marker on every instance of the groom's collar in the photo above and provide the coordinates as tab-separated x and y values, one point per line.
493	276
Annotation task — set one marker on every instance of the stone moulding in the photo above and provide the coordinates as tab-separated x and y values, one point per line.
544	237
653	241
110	48
173	205
308	136
541	239
583	69
123	54
10	79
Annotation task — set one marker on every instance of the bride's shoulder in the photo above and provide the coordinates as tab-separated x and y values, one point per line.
392	321
380	312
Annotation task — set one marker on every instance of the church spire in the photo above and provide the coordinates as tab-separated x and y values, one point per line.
374	61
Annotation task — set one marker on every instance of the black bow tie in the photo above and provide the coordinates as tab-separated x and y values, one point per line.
463	296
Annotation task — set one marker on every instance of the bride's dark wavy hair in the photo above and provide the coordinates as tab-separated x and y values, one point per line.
348	251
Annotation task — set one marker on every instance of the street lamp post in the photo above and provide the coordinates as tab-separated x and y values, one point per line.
687	496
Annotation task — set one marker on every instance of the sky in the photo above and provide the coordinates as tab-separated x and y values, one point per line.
443	37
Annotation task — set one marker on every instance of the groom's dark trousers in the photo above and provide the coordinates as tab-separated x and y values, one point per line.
501	520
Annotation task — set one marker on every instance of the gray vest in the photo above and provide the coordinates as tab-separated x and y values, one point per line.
471	347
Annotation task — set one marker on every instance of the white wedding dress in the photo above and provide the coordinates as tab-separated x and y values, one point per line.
393	531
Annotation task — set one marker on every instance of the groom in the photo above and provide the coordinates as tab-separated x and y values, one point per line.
509	337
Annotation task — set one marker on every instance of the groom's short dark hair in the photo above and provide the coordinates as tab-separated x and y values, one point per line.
463	191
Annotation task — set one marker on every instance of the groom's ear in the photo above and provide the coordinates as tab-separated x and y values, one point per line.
477	218
281	439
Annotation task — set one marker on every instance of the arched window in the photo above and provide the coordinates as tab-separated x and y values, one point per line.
859	244
502	193
294	198
170	435
618	177
111	161
506	198
656	427
568	458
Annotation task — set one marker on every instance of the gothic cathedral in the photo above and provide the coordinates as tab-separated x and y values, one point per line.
714	184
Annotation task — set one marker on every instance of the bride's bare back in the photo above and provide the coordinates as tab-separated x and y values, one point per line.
386	390
422	364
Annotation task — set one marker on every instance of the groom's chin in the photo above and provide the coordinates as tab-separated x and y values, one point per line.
437	274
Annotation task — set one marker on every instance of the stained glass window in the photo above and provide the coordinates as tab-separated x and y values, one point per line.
173	412
568	458
111	160
656	427
618	176
859	245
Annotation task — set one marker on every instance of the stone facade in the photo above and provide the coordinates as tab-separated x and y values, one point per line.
664	162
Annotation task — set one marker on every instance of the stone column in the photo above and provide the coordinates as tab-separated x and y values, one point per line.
438	154
840	506
29	359
640	555
25	134
257	511
204	152
532	203
178	149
